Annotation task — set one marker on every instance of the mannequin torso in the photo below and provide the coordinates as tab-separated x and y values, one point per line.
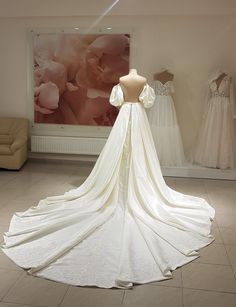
163	76
132	85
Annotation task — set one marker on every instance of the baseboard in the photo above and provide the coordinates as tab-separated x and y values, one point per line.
195	171
62	157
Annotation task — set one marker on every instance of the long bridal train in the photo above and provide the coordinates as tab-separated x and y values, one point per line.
123	225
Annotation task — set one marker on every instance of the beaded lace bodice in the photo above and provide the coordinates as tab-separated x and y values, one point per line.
163	89
223	90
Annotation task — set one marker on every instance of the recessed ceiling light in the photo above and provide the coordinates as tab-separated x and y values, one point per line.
76	28
109	28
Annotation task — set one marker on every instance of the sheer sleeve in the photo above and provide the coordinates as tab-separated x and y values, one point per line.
147	96
172	89
116	97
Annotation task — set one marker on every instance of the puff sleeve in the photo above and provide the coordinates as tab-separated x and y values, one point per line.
116	97
147	96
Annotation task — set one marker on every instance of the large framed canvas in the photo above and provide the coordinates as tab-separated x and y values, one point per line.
73	76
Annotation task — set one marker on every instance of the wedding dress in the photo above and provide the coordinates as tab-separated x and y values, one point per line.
123	225
216	144
164	126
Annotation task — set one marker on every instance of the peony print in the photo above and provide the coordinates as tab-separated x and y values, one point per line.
74	75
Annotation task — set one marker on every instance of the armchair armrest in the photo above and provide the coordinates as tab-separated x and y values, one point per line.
20	136
18	143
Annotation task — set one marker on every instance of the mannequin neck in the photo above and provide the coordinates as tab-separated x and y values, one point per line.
133	71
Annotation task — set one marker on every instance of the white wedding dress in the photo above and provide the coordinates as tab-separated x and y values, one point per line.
164	126
216	144
123	225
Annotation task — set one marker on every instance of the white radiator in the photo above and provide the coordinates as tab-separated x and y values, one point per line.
67	145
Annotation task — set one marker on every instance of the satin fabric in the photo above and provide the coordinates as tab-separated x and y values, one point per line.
123	225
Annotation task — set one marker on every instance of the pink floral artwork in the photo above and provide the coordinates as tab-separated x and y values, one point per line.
74	75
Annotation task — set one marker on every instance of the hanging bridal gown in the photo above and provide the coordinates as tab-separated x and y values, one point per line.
216	144
164	126
123	225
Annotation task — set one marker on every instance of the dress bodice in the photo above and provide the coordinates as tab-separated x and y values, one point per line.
223	90
163	89
146	97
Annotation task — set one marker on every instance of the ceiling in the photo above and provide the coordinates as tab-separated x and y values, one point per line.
27	8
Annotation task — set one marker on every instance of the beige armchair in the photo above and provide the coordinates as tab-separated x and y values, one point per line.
13	142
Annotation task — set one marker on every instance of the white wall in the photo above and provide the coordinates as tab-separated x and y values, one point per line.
23	8
191	46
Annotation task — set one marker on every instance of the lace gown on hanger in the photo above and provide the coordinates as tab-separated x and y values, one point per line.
123	225
216	144
164	126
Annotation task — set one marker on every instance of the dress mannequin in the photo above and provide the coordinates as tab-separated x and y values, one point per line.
164	123
163	76
216	141
132	85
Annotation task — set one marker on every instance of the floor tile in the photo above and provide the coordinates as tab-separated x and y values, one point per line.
231	251
3	228
223	200
62	188
6	176
213	253
216	233
39	192
199	298
176	281
209	277
7	195
190	182
214	223
223	185
2	304
92	297
171	182
7	280
36	291
234	270
83	169
7	263
7	212
228	235
52	166
226	219
150	296
191	188
25	180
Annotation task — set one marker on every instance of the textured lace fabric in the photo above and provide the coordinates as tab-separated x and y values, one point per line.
163	89
224	88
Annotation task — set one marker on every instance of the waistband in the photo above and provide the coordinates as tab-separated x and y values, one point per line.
131	102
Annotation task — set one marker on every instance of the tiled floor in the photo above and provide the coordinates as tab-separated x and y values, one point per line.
208	281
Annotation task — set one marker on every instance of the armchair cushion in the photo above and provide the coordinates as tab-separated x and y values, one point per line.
6	139
5	150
